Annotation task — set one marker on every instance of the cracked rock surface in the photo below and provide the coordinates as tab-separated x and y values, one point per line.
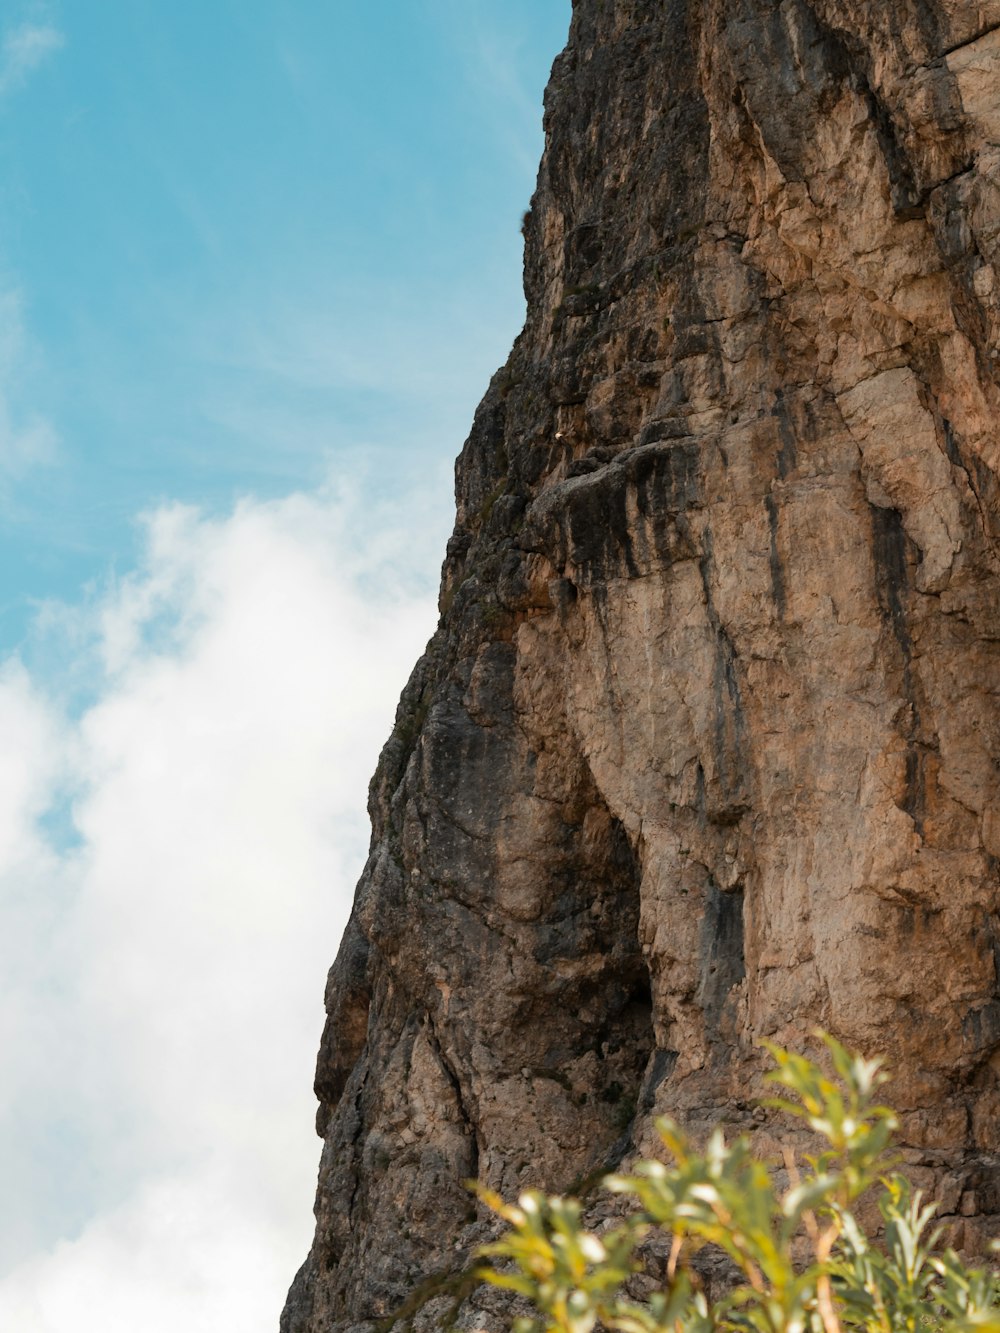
705	748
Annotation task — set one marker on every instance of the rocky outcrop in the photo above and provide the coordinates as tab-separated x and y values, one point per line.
706	746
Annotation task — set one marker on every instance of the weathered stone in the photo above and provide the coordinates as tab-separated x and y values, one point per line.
707	745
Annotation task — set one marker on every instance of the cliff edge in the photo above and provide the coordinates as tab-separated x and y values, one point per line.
705	748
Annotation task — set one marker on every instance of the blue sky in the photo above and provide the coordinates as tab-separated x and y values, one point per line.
245	238
257	264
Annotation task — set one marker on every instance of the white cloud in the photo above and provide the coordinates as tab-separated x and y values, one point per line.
25	47
190	1253
161	980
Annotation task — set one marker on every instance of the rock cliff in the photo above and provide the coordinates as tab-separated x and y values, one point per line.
706	746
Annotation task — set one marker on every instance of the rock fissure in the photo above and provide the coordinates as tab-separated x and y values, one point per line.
969	41
460	1098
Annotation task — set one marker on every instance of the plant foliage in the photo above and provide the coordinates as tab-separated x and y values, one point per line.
805	1262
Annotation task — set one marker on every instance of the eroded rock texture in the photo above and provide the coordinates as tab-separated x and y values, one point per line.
706	746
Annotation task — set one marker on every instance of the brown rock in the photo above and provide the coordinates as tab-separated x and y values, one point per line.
707	745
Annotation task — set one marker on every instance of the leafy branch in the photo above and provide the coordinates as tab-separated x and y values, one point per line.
805	1262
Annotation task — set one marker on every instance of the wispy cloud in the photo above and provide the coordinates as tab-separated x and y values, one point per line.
494	54
26	437
25	47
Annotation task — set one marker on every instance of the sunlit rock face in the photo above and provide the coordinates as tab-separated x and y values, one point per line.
705	749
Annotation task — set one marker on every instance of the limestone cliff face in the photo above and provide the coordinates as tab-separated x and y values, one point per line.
706	746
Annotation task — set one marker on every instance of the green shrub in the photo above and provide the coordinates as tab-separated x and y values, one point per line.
805	1263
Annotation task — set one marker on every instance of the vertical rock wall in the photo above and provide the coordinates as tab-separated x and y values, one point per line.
706	746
